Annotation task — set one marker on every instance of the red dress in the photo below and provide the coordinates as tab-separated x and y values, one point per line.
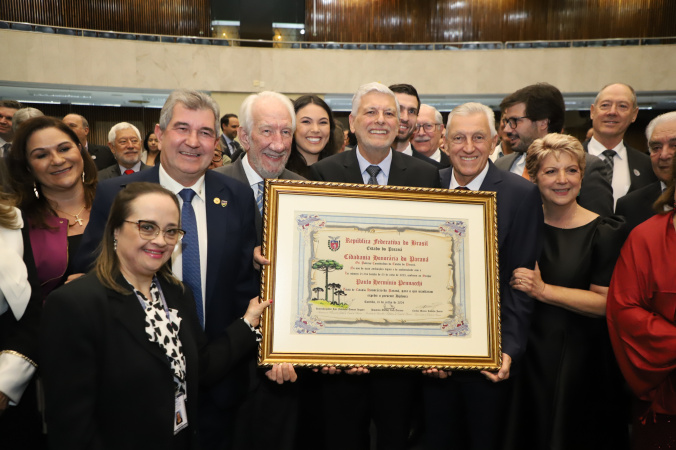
641	313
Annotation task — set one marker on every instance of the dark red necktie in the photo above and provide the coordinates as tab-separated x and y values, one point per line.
128	171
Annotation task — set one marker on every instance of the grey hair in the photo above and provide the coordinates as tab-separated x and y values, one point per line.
246	110
467	109
437	115
631	89
23	115
112	134
192	100
368	88
666	117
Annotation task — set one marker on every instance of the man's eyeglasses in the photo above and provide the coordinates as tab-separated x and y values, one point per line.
513	121
217	157
427	126
149	231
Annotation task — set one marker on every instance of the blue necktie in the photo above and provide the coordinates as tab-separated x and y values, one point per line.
191	251
259	197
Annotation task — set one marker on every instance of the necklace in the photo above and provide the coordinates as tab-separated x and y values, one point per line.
77	217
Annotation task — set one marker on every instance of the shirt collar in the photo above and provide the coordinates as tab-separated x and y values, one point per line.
596	148
473	185
251	174
136	167
174	186
384	164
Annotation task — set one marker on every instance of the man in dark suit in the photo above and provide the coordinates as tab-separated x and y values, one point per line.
223	218
124	141
613	110
531	113
7	110
469	408
388	397
100	153
427	137
229	127
637	205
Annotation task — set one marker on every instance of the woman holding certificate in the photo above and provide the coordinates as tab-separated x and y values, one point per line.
566	395
123	352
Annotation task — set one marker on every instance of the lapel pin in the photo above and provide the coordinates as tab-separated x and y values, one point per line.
224	203
637	173
217	200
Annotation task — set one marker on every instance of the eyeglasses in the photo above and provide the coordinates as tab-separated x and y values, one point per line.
149	231
427	126
217	157
513	121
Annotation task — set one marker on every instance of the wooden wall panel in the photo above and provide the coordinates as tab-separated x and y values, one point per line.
486	20
175	17
101	118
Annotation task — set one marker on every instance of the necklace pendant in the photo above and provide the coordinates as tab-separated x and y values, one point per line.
78	220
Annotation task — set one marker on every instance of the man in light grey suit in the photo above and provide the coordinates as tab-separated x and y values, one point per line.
124	141
266	131
268	122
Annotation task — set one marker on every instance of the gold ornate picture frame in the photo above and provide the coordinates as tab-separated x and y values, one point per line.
380	277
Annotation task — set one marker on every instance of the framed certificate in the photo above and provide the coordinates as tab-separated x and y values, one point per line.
380	277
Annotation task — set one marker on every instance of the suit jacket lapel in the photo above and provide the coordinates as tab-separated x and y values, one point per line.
352	171
127	310
217	228
397	170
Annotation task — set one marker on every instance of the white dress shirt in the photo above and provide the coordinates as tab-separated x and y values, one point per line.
621	177
384	165
251	175
199	206
519	164
473	185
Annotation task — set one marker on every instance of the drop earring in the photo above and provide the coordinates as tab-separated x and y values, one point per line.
114	245
35	189
83	176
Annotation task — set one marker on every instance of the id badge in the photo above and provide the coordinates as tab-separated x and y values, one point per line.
180	414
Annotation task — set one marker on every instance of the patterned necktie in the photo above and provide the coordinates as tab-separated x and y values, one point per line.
4	149
373	171
191	251
128	172
610	164
259	196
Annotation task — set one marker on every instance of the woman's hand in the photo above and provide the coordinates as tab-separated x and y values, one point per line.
528	281
255	309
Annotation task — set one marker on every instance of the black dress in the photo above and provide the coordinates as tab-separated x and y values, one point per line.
568	393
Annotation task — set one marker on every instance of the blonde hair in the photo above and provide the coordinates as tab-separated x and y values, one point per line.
553	144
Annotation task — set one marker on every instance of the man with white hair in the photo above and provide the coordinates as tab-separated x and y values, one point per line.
471	406
266	132
375	122
124	141
386	397
427	136
636	206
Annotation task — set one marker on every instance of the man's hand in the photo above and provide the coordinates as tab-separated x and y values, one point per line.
4	402
259	259
503	373
436	373
280	373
